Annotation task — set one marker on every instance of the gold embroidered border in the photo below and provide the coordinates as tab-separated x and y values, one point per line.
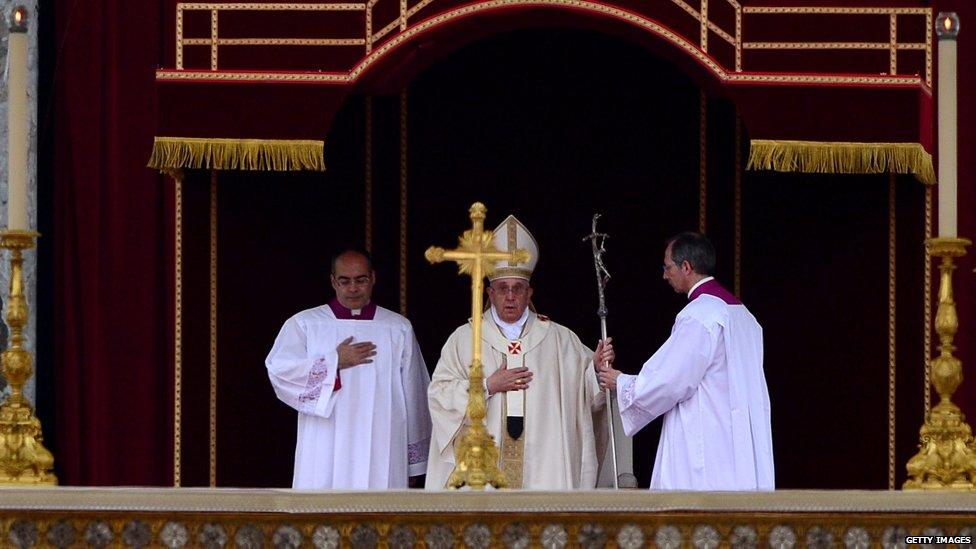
706	25
721	33
213	329
396	22
345	78
213	39
893	44
892	341
866	81
463	11
768	10
403	202
385	30
368	38
177	176
840	157
696	52
246	76
233	154
179	37
275	41
639	21
270	7
511	459
928	48
703	26
419	6
738	38
832	46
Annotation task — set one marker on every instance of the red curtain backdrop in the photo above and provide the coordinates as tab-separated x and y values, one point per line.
112	242
113	239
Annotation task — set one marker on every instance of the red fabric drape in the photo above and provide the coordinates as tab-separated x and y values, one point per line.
113	379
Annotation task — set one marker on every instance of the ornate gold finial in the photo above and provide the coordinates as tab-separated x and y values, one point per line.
23	458
946	459
476	254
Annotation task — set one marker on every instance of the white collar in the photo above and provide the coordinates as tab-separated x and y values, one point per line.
511	330
699	283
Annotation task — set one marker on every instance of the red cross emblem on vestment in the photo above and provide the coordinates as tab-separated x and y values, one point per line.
514	347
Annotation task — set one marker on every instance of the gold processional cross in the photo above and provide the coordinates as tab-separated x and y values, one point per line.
476	254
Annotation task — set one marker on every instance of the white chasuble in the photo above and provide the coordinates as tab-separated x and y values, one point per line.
707	379
563	406
371	433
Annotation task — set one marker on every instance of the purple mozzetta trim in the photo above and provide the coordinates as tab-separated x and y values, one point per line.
342	313
714	288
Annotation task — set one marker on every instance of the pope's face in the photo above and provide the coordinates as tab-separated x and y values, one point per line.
353	281
510	297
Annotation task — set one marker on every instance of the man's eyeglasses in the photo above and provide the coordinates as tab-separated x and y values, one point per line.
517	290
345	281
666	267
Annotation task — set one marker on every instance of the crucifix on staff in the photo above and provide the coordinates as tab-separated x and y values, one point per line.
476	254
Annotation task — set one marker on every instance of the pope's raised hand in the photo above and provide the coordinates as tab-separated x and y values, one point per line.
353	354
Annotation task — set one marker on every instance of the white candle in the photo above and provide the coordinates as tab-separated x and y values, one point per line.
17	122
947	28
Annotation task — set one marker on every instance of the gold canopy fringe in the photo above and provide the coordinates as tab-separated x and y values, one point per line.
171	153
828	157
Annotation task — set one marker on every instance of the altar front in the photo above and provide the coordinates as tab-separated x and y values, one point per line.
214	518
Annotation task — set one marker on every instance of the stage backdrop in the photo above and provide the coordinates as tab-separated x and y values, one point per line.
104	386
525	135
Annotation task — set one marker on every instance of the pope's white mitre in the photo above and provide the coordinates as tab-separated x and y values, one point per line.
510	235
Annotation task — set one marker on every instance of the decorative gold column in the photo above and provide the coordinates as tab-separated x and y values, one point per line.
946	459
23	458
476	254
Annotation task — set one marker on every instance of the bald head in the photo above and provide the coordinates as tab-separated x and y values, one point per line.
353	278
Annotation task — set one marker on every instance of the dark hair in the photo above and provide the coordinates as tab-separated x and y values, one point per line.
360	251
695	249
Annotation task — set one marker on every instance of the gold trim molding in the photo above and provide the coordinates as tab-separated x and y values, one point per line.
841	157
212	458
892	340
191	6
771	10
177	176
693	50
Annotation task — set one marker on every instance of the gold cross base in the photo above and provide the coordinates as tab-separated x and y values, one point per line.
24	461
946	460
477	461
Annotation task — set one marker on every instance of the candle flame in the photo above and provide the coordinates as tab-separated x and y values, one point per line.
947	23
